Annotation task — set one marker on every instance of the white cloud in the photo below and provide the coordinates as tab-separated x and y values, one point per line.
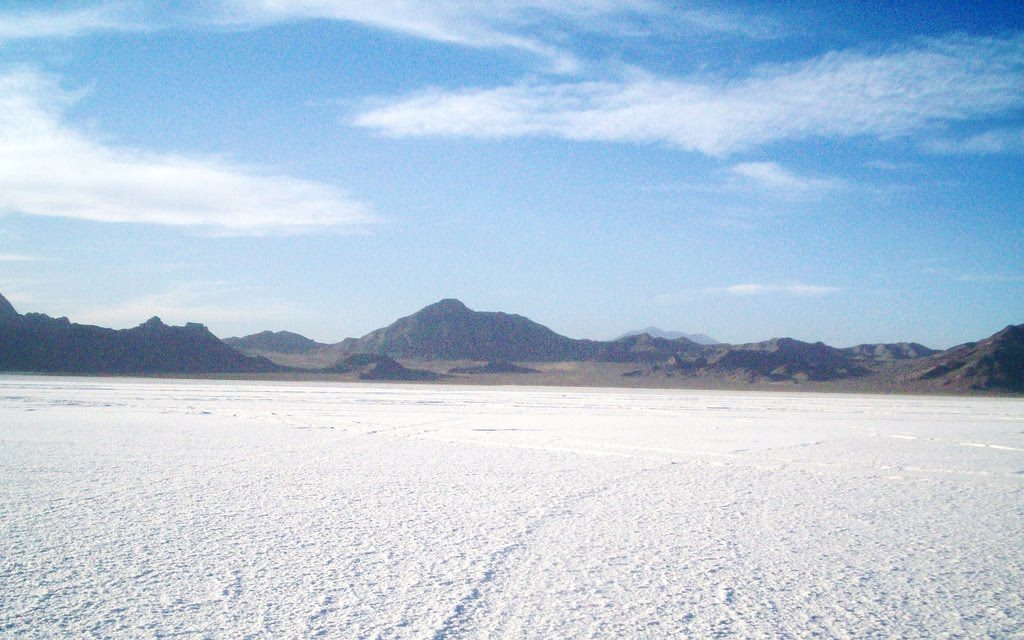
474	24
989	142
21	25
888	165
47	168
750	289
752	26
771	176
797	289
957	276
842	94
18	257
527	25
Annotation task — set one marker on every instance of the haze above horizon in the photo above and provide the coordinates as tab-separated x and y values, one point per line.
835	171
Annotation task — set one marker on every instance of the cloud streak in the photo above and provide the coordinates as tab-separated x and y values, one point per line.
18	257
47	168
989	142
752	289
540	27
24	25
774	178
840	94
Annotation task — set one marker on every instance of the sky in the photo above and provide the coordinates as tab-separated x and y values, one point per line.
835	171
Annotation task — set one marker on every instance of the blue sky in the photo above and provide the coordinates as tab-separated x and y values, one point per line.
848	172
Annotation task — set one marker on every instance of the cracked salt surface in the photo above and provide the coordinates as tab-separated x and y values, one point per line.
157	508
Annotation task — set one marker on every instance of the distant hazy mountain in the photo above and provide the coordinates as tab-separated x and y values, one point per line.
38	343
449	330
995	363
655	332
274	342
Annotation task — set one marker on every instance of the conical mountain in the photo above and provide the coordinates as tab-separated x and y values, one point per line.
449	330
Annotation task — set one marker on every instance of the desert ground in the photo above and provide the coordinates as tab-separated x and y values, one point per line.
228	509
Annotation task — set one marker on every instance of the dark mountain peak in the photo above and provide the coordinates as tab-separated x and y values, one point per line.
7	311
449	330
155	321
1012	335
447	306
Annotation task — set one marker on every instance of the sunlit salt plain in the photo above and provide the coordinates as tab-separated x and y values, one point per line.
133	508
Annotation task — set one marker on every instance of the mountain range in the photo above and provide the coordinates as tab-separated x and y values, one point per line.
38	343
449	333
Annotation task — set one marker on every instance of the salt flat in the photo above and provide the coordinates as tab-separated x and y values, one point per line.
145	508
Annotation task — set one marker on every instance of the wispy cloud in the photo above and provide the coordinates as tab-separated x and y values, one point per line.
47	168
536	26
773	177
990	142
473	24
19	257
889	165
797	289
751	289
967	277
718	21
843	94
48	23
